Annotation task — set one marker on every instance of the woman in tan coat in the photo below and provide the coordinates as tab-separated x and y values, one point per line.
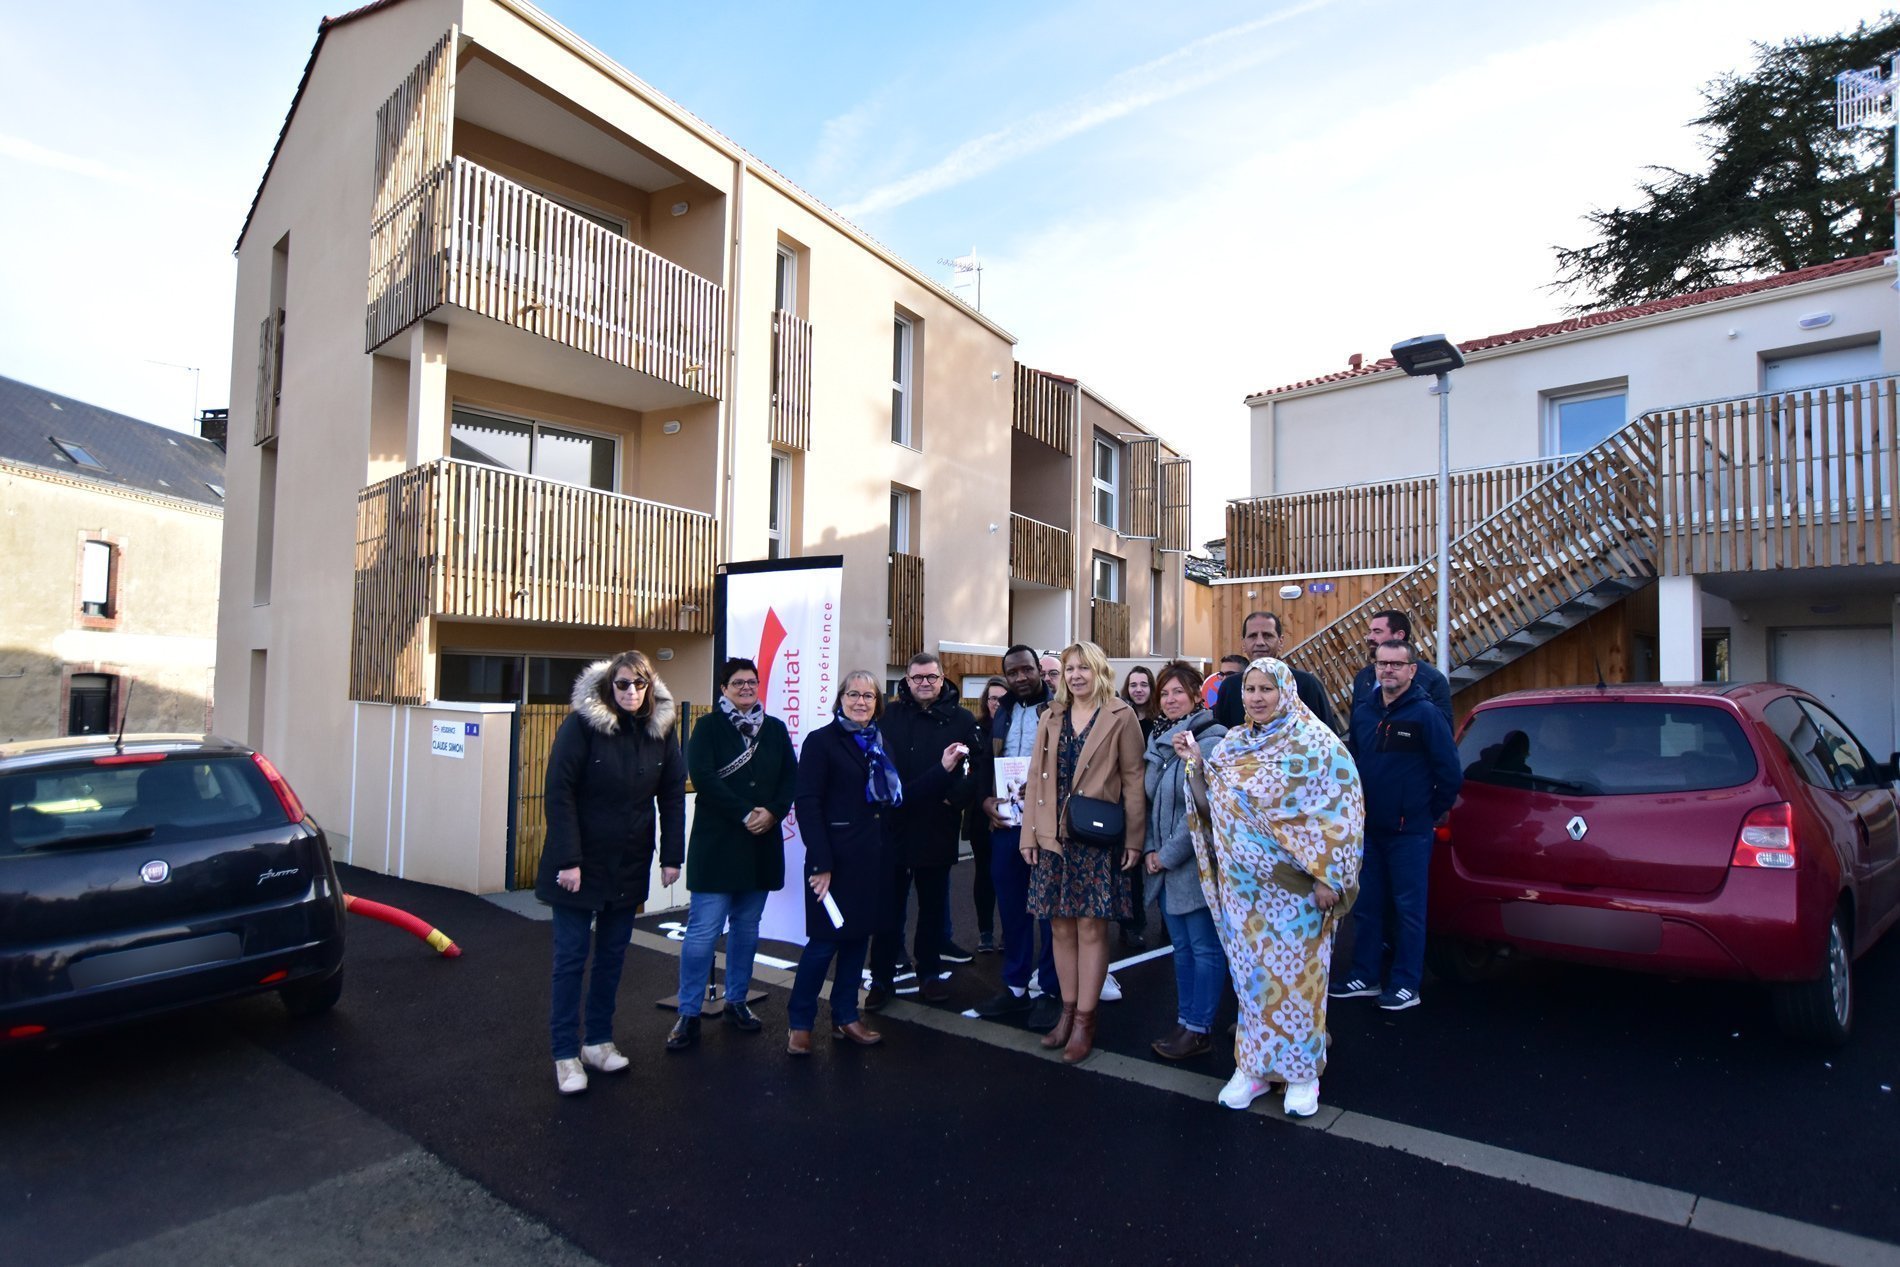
1088	743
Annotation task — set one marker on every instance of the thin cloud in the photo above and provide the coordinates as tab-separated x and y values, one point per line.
22	150
1196	64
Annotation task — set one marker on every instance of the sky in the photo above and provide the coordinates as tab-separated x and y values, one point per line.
1178	204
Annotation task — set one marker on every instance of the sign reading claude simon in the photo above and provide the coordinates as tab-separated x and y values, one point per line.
445	739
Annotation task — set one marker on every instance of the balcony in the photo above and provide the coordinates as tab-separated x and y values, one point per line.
462	540
1108	627
1040	553
791	381
467	237
904	606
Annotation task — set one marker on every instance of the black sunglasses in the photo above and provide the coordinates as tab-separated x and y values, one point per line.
628	683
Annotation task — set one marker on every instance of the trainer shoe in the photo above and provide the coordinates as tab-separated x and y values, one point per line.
1302	1098
1008	1003
906	982
1353	989
569	1076
953	953
1399	1000
1111	989
603	1056
1243	1089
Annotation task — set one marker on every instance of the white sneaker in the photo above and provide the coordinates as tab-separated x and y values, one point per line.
1111	989
603	1056
569	1076
1243	1089
1302	1098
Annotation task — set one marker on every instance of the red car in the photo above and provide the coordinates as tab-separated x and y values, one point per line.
1728	830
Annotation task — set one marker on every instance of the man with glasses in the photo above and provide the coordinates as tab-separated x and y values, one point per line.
1409	766
928	736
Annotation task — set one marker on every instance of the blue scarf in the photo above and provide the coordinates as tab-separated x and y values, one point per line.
881	786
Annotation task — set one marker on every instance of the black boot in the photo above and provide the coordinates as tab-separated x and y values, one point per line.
684	1034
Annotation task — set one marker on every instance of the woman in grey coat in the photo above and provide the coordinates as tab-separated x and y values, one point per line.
1200	966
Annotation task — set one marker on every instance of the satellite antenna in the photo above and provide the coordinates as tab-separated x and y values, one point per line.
1863	99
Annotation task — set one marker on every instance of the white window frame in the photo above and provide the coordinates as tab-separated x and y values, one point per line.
97	561
778	537
903	380
903	521
1111	488
536	424
1556	400
785	280
1114	569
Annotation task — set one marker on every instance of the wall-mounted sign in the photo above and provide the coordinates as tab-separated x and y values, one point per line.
473	729
1320	587
445	739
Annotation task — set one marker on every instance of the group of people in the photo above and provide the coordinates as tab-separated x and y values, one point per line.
1255	828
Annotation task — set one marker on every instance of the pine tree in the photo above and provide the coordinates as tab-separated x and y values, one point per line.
1784	187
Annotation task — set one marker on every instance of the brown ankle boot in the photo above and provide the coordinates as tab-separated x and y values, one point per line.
1081	1039
1059	1036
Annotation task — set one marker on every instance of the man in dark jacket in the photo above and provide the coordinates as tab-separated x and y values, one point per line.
1384	627
918	727
1028	946
1262	634
1409	766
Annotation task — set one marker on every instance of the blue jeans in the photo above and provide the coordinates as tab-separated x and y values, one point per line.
1200	968
810	979
609	931
1022	933
706	918
1393	875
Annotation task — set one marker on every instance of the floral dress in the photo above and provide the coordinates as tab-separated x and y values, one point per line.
1081	882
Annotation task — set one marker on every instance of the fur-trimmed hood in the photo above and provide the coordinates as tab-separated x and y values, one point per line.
604	718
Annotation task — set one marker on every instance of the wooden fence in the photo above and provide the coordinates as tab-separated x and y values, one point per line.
1040	553
1045	408
1108	626
905	606
791	381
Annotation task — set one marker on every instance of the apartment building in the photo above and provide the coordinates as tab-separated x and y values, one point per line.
525	353
1689	489
111	532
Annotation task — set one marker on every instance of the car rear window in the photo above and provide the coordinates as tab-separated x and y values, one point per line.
81	806
1583	748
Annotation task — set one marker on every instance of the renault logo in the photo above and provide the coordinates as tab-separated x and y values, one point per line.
1576	827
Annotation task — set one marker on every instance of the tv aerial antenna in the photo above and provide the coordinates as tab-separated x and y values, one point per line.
967	273
1863	100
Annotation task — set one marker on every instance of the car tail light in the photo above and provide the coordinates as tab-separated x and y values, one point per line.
274	977
26	1031
293	808
1441	834
129	758
1766	838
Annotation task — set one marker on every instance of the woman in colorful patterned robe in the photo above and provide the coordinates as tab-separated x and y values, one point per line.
1278	822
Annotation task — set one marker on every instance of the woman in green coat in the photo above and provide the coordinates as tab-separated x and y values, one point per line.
743	769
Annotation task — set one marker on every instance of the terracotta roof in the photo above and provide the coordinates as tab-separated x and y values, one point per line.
1610	316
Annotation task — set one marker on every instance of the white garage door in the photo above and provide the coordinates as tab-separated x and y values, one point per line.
1850	670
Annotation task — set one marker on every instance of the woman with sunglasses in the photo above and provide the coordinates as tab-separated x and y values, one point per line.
614	774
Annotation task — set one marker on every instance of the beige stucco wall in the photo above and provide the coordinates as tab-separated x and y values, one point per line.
1139	557
163	643
1387	427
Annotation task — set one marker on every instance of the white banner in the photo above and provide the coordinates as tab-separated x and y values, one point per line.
785	620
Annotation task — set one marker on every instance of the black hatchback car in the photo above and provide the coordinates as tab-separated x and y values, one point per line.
154	873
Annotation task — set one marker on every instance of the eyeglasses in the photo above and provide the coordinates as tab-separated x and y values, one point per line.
925	679
1384	666
744	684
863	696
628	683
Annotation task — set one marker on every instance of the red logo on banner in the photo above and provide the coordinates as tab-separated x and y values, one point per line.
770	637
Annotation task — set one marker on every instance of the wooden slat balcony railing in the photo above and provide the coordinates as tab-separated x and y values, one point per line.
1141	511
791	381
469	237
904	607
459	539
1593	519
1045	408
1790	479
1177	505
1108	623
1393	524
1040	553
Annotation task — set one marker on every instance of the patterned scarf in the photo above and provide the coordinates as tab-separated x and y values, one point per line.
1291	784
748	722
881	784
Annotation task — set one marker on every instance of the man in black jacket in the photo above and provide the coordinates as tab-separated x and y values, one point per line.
1263	634
1389	626
920	729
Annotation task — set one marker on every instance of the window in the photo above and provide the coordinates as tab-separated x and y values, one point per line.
1107	578
778	507
89	701
903	354
77	453
1618	749
98	581
1155	608
507	679
1107	481
533	448
785	281
903	514
1580	420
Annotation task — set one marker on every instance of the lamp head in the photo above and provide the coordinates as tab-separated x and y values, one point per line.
1428	354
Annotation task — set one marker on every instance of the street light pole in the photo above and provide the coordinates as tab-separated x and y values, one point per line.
1442	633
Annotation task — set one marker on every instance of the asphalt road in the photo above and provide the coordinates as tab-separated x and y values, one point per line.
418	1124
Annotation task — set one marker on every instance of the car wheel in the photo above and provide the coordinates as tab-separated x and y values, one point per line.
1822	1010
314	995
1466	962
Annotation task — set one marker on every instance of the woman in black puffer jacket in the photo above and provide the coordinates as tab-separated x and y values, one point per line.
615	770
